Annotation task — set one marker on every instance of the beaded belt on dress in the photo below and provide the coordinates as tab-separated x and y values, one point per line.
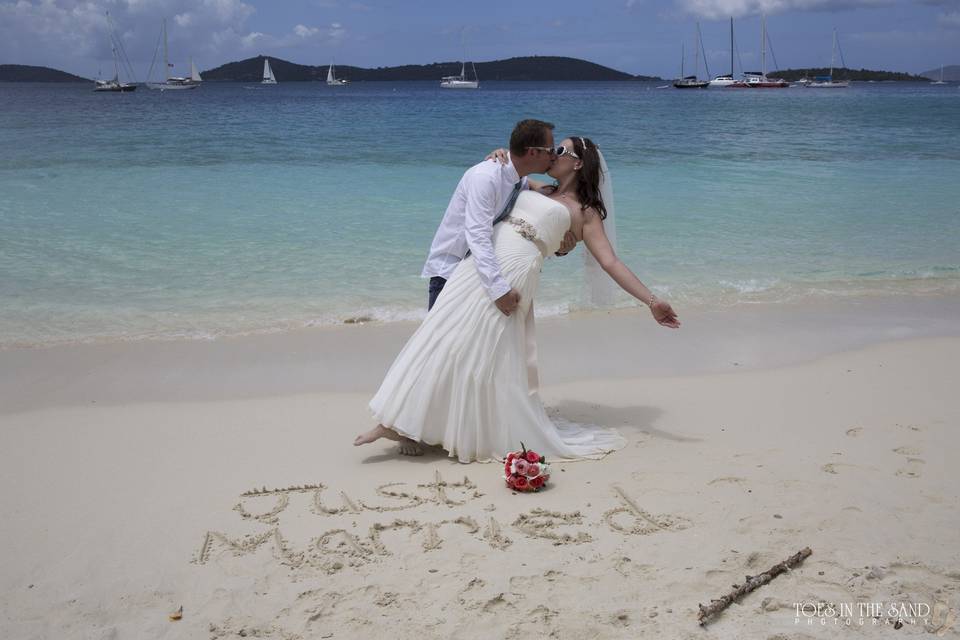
528	231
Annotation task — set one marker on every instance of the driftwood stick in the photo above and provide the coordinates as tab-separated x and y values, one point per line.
751	583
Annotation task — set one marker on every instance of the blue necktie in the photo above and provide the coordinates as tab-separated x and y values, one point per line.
508	207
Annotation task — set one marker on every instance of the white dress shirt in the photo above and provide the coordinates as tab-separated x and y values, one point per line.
482	193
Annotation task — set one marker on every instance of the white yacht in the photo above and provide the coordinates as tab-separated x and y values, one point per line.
940	81
827	81
115	85
726	79
461	81
332	78
268	77
173	82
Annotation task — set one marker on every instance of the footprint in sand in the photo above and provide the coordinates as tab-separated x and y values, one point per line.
832	467
912	468
914	465
910	427
907	451
728	480
853	432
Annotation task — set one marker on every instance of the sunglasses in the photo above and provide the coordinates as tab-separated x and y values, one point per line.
563	151
549	150
557	151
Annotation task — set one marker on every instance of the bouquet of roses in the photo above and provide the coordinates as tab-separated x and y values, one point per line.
526	470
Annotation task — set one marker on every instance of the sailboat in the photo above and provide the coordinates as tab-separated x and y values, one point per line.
460	81
826	82
692	82
267	73
173	82
332	78
726	79
114	84
940	81
759	79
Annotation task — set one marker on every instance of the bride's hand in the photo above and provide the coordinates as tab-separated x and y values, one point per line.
498	154
664	314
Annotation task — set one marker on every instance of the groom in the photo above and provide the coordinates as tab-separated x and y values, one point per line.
484	196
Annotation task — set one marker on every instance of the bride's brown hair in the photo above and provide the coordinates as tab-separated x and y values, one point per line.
588	177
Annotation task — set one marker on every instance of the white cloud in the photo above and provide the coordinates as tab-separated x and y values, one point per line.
950	19
73	34
304	31
714	9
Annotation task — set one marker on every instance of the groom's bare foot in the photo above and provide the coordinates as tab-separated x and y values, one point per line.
410	447
375	434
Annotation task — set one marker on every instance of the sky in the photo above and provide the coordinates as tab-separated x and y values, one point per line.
635	36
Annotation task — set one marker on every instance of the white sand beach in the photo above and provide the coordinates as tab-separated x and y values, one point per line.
219	477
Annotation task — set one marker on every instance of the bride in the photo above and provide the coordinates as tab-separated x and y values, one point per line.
467	378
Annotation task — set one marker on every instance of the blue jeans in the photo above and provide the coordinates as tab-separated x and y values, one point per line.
436	286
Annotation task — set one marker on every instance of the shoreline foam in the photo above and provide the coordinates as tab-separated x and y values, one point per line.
354	357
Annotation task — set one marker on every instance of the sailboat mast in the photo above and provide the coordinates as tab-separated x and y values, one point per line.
696	53
166	61
731	47
681	61
833	52
763	45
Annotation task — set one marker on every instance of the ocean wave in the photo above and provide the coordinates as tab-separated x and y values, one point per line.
17	331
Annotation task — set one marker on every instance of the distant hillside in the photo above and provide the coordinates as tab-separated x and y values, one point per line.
26	73
526	68
951	73
845	74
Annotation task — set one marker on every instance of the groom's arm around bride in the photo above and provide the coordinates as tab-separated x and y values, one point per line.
485	194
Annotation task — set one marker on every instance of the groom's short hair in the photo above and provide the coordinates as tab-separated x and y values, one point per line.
529	133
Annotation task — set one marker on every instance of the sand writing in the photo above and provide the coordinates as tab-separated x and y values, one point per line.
348	545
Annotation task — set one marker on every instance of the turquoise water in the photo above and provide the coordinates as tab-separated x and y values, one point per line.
235	209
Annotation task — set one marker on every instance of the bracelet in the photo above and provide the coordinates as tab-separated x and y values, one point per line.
653	300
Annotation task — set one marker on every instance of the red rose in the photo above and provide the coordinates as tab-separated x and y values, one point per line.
520	482
511	456
533	470
536	483
532	457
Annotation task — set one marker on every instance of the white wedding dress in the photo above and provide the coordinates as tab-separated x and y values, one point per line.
467	378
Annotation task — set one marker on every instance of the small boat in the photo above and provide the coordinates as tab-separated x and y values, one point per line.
692	82
332	78
827	82
173	82
759	79
726	79
940	81
268	77
114	85
460	81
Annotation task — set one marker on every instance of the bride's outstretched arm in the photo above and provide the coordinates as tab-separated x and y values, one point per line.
597	243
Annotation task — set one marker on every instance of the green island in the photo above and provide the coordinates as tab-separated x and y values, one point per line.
522	68
28	73
840	73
